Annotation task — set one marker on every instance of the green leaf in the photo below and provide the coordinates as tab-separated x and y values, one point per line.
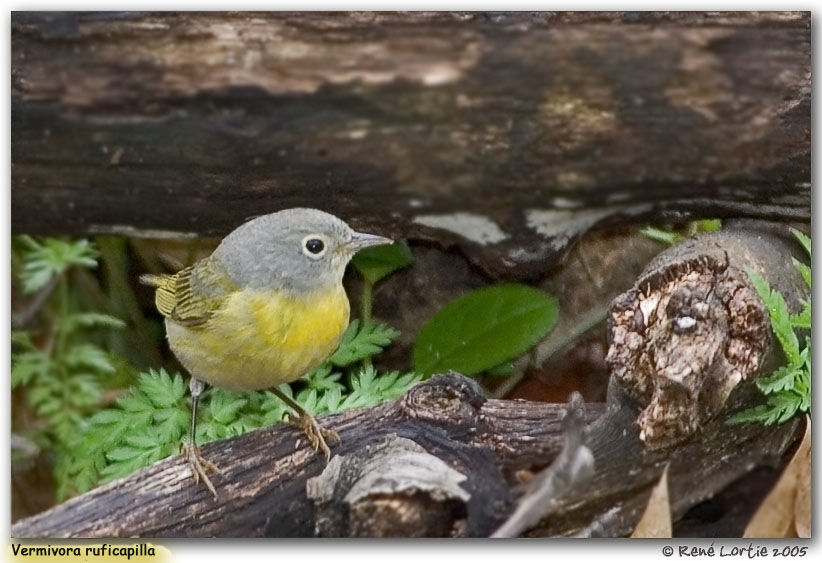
675	237
804	270
780	380
28	366
307	399
45	396
780	316
504	369
324	379
22	339
51	257
223	406
783	406
369	388
660	235
146	425
142	441
803	318
393	384
483	329
161	389
804	240
361	341
331	399
89	356
106	417
364	380
123	453
705	226
377	262
135	402
74	321
83	390
759	413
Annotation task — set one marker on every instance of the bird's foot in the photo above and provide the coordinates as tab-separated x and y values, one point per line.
200	467
316	434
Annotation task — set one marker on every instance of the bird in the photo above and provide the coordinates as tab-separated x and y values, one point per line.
265	308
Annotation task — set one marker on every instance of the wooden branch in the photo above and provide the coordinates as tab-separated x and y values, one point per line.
262	478
508	133
264	484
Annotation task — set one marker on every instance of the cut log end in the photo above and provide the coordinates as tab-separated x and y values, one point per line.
691	329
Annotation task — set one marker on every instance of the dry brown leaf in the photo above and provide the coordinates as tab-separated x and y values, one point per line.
656	520
775	516
802	513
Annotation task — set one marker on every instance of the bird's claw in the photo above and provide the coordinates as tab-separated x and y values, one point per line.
200	467
316	434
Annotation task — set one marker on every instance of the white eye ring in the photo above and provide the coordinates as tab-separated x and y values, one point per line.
314	246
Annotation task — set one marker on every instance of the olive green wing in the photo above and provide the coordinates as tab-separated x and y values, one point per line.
191	296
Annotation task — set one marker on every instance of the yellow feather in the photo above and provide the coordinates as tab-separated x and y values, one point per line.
260	339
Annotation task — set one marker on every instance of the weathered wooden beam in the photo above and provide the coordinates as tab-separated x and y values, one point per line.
510	133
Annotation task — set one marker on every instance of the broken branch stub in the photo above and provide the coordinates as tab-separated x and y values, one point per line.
572	468
693	327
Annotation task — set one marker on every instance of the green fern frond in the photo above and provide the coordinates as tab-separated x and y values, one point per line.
788	389
45	259
362	341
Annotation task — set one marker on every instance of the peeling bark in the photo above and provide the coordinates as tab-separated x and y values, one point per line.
395	488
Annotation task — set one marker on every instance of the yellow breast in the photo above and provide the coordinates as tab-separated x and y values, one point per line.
260	339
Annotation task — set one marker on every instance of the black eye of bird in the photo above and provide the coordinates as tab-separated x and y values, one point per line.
314	245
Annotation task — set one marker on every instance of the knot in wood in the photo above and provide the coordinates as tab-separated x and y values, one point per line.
682	339
450	399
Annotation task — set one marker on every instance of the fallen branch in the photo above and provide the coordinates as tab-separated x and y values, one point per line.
263	474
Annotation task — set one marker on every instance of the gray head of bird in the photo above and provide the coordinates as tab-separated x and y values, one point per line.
298	250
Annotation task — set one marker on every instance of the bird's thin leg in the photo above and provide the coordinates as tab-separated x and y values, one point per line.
196	387
315	433
200	467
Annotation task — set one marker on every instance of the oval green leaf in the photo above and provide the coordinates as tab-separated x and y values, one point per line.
484	328
377	262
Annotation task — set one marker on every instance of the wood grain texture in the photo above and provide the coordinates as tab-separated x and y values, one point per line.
508	133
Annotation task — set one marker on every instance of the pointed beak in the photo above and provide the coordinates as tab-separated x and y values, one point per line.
364	240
